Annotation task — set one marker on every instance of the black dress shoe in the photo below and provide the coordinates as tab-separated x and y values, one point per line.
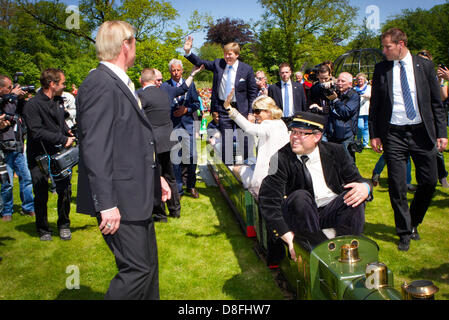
193	193
415	234
404	244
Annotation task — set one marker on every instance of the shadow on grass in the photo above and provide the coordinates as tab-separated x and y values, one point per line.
241	286
5	239
30	228
380	231
83	293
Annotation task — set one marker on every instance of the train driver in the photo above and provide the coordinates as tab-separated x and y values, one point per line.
312	185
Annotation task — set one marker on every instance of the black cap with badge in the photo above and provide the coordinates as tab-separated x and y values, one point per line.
308	120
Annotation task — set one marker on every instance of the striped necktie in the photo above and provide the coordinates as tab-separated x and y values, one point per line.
408	101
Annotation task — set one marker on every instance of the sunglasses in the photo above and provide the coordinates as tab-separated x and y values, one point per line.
257	111
160	80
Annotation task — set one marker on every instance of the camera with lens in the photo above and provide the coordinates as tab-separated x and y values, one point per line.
328	88
27	88
13	118
356	146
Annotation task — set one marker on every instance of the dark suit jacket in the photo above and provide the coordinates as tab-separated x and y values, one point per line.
299	97
428	94
245	84
117	166
45	123
189	100
156	103
338	170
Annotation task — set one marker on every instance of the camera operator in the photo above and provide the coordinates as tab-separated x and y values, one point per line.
318	101
11	144
48	134
343	114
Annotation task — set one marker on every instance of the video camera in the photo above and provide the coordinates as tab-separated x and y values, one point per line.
59	165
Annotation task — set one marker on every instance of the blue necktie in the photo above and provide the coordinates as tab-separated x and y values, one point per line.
286	101
408	101
228	82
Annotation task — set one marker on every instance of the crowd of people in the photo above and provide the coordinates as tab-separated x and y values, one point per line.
291	143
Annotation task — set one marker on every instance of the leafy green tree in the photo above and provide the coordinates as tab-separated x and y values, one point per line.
226	30
425	29
291	27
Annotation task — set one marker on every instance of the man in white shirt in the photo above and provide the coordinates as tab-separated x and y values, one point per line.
289	95
119	182
407	118
229	73
316	186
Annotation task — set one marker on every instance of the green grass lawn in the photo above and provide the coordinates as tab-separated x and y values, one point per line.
202	255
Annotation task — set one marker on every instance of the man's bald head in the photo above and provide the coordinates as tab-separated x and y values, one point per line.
151	76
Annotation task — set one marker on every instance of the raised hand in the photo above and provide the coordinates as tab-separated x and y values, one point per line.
188	44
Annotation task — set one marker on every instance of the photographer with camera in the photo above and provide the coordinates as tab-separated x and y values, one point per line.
343	114
318	101
12	157
48	134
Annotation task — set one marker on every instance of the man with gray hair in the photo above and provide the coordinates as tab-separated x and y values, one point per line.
119	181
183	114
343	113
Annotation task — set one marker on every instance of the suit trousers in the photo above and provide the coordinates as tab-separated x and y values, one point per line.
40	188
135	249
187	158
230	134
399	145
174	204
306	220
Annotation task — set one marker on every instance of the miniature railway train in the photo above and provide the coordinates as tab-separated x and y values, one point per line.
342	268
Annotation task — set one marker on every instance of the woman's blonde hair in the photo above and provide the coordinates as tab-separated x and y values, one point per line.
110	37
266	103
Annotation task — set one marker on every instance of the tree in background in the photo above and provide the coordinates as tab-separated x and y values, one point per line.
365	38
425	29
34	35
302	30
228	30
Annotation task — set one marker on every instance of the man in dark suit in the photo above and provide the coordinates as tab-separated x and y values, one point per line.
407	119
156	102
119	181
289	95
183	112
229	73
313	186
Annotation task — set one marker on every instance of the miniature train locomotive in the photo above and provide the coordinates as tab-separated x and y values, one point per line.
342	268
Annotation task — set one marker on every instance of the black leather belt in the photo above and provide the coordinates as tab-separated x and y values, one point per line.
407	127
233	104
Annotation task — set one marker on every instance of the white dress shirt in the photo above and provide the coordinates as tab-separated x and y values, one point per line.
399	115
233	74
323	195
290	98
